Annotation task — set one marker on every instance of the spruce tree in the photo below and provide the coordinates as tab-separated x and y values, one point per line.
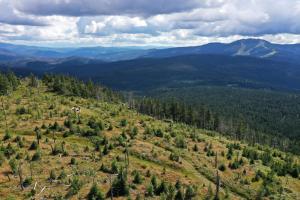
95	193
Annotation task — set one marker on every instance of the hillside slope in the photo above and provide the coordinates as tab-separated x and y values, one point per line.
180	71
59	154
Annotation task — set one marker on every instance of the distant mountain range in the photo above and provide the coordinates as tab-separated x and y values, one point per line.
246	47
11	52
247	63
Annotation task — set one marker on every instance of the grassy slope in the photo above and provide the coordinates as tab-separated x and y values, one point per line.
147	152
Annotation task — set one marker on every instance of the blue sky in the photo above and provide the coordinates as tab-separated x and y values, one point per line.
147	22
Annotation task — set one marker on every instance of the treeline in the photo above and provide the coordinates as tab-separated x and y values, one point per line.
255	116
199	116
69	86
171	109
202	117
8	83
174	110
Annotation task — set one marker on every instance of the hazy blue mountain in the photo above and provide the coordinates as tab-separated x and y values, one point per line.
246	47
100	53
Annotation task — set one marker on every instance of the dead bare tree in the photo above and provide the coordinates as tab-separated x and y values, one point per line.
126	157
20	172
217	179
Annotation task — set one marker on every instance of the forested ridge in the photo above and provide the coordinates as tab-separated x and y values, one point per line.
62	138
178	109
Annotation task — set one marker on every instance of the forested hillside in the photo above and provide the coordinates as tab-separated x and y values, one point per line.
256	96
264	115
65	139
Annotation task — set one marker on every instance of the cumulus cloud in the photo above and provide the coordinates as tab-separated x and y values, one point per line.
159	22
112	25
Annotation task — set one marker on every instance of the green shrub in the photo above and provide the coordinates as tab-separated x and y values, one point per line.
222	167
13	166
36	156
27	182
180	142
123	122
62	175
75	186
33	146
73	161
150	190
95	193
7	136
137	178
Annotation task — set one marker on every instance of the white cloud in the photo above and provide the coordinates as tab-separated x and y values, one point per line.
144	22
112	24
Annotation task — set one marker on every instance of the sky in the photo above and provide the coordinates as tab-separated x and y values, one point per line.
147	22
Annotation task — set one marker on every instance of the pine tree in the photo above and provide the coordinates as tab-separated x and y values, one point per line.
119	186
189	193
179	195
150	190
95	193
137	178
209	194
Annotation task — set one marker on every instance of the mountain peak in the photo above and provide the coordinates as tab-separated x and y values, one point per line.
251	41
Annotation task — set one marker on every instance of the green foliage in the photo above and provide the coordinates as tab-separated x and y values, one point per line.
69	86
177	111
95	193
8	83
2	158
33	81
154	182
179	195
174	157
96	125
13	166
114	168
123	122
222	167
9	150
150	190
33	146
36	156
75	186
119	186
22	110
180	142
195	148
209	194
62	175
27	182
189	193
137	178
73	161
133	132
162	188
260	112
